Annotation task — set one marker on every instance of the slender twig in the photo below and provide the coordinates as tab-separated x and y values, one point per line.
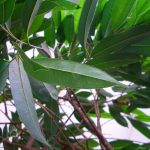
44	108
40	48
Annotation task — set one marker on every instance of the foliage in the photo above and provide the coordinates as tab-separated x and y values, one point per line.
91	44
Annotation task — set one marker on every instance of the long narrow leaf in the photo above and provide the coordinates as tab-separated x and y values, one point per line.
29	12
3	74
23	99
73	75
85	22
121	11
6	9
118	41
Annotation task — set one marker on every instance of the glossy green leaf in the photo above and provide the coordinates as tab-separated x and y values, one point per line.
50	33
142	7
45	7
65	5
85	22
92	143
36	41
77	74
45	25
69	28
84	94
131	146
35	25
121	40
49	125
99	11
5	134
144	130
3	73
30	10
56	15
115	112
23	99
138	123
60	36
143	118
77	14
106	18
120	143
43	90
6	9
121	11
114	60
141	48
75	78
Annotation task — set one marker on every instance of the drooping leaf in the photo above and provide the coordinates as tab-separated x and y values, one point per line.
73	74
3	74
6	9
56	15
144	130
85	22
49	125
106	18
121	11
43	90
120	40
30	10
114	60
23	99
115	112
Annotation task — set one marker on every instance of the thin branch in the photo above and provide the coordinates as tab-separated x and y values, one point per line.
44	108
40	48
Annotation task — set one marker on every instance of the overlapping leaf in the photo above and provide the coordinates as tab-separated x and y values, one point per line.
23	99
6	9
3	73
30	10
114	60
49	125
43	90
121	11
118	41
115	112
85	22
72	74
106	18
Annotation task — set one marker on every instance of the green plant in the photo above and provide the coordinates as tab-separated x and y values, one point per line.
92	44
